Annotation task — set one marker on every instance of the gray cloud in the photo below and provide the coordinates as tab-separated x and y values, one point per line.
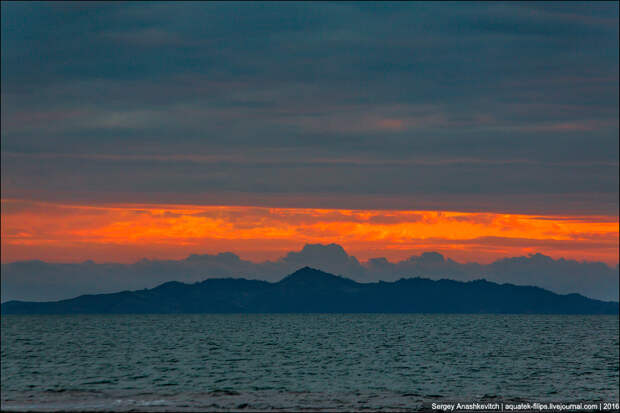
37	280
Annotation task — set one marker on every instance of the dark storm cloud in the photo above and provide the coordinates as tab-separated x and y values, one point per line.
408	100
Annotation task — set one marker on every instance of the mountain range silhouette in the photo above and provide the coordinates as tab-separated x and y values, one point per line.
313	291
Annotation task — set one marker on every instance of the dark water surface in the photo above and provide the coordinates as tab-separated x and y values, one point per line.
293	362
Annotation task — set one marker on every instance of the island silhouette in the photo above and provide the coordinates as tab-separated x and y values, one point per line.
309	290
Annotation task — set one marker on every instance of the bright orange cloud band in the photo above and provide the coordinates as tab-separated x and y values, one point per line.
126	233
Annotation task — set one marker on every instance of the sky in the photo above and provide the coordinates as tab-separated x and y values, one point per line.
481	131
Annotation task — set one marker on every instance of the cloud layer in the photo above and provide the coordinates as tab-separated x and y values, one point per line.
486	107
127	233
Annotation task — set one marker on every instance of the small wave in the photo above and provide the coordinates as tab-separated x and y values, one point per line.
224	392
153	402
98	382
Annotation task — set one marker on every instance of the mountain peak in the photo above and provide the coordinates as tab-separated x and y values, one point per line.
309	274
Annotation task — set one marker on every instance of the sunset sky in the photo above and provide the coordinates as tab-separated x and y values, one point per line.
160	130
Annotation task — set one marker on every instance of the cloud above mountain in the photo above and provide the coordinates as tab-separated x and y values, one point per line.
40	281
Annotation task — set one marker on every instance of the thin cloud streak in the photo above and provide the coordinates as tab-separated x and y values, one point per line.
269	160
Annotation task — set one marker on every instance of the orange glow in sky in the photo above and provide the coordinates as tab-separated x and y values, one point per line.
126	233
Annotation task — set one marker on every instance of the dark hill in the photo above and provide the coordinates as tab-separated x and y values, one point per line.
313	291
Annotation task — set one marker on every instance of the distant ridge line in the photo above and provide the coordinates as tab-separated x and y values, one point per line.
309	290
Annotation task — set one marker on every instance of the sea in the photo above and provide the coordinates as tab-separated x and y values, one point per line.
309	362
